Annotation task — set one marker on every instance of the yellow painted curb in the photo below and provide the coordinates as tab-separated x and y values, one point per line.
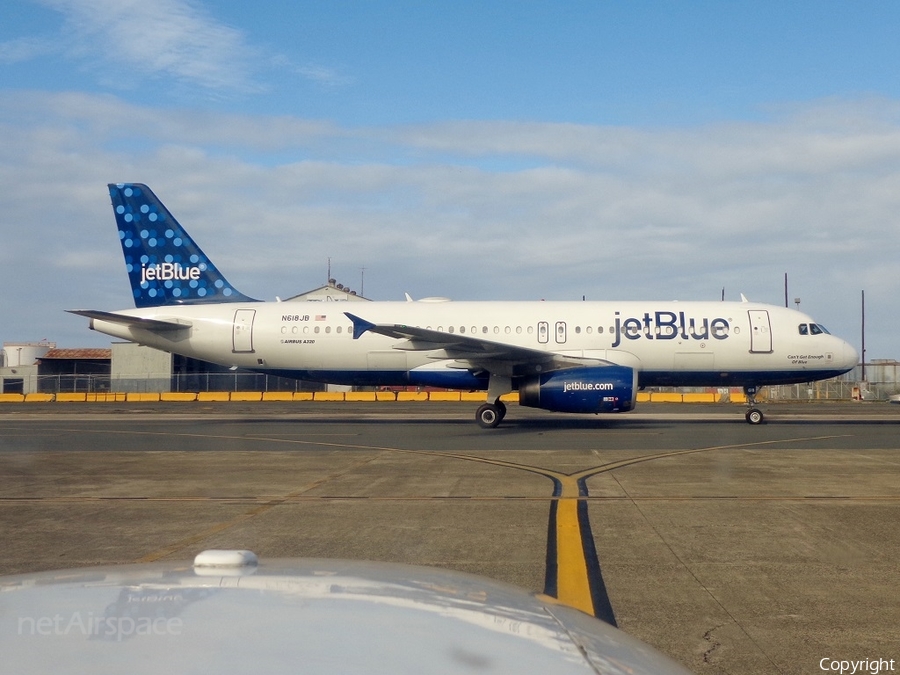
352	396
110	397
360	396
70	397
666	398
412	395
473	396
246	396
700	398
328	396
209	396
142	397
178	396
278	396
443	396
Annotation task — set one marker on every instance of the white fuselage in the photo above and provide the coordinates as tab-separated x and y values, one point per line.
667	343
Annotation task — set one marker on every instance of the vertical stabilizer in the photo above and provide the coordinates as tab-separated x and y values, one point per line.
164	264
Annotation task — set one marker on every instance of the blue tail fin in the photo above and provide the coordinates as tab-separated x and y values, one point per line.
164	264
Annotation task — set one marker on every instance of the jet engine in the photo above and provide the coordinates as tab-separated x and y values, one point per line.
581	390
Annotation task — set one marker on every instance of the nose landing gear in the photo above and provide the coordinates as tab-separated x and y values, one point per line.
753	415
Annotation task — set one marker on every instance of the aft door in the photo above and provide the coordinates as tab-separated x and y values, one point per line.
760	332
242	336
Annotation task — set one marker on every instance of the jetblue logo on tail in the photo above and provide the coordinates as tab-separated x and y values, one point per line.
169	271
164	264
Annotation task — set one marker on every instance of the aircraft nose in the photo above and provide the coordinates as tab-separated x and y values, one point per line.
850	357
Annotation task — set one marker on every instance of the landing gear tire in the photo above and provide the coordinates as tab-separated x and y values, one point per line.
489	415
754	416
501	408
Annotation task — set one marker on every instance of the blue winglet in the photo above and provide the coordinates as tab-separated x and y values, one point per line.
360	326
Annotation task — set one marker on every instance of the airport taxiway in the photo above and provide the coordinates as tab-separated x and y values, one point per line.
733	548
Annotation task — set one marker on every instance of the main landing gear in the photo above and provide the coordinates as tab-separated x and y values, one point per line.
489	415
753	415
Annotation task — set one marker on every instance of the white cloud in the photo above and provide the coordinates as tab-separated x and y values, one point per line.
472	211
171	38
25	49
128	41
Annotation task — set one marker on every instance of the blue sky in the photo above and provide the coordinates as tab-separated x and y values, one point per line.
505	150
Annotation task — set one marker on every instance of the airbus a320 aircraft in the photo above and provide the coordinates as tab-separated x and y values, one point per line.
581	357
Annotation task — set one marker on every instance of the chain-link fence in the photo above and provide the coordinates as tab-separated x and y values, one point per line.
880	384
846	387
152	383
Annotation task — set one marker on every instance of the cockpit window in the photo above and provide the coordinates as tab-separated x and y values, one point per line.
812	329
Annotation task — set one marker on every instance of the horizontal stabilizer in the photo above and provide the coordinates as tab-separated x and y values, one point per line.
155	325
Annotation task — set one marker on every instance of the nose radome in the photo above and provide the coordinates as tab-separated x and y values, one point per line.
850	356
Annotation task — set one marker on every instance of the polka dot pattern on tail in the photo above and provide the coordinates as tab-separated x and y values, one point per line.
172	268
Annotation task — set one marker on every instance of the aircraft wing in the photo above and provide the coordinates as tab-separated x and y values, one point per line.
155	325
472	351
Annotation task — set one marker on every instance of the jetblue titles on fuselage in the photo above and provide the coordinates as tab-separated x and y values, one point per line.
665	325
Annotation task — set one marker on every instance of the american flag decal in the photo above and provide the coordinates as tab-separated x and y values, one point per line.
320	317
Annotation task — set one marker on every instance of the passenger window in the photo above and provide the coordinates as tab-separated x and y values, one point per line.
804	329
